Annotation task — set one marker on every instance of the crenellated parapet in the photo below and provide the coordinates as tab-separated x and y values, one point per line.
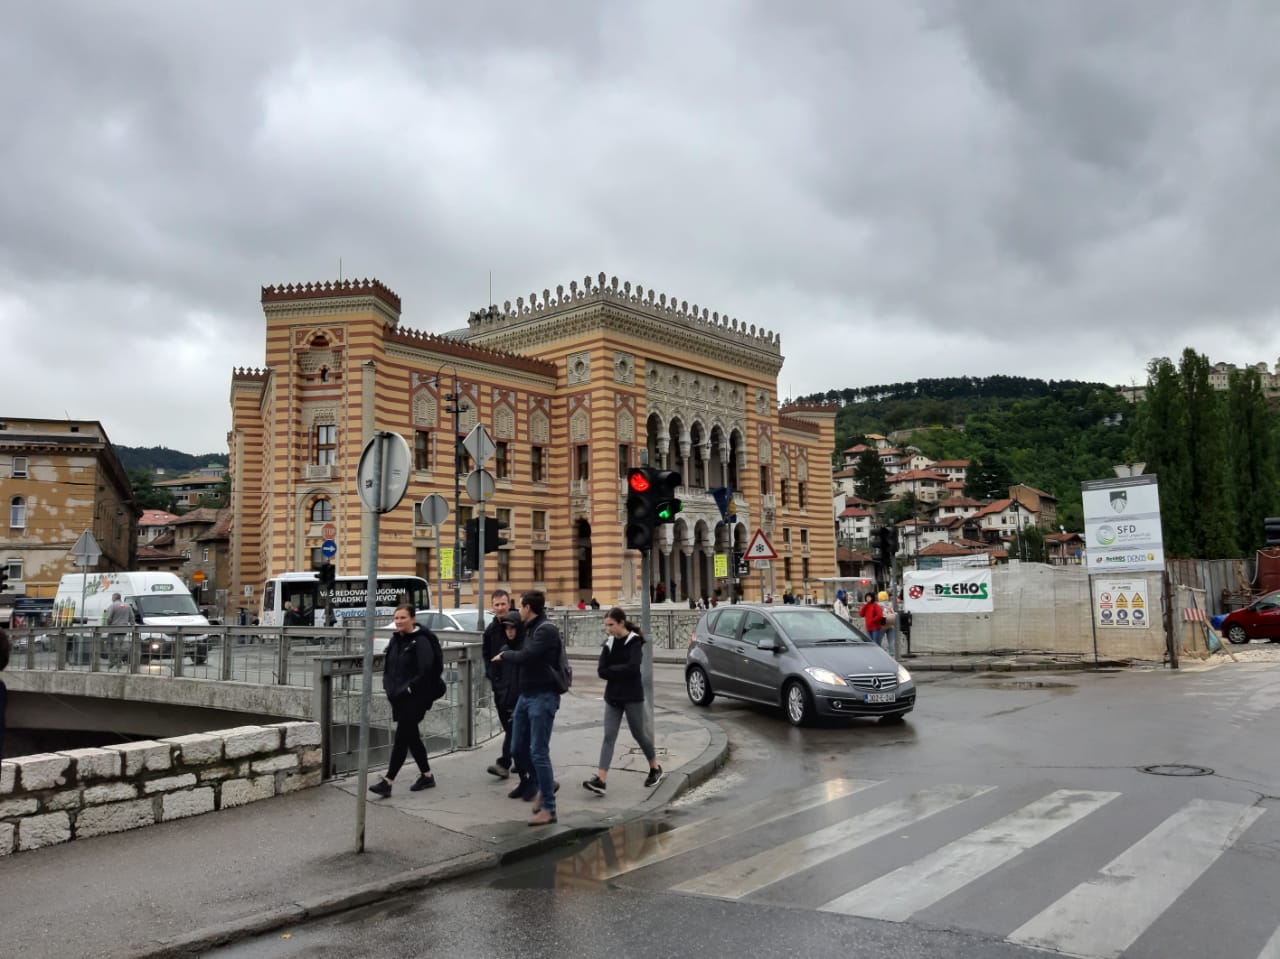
609	290
249	373
287	292
461	349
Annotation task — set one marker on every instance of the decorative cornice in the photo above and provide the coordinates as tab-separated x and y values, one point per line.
463	350
800	426
242	374
661	317
288	292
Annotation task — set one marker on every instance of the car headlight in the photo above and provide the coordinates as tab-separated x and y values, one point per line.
825	676
903	675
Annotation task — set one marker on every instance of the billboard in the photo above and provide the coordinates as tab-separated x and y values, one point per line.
948	591
1122	525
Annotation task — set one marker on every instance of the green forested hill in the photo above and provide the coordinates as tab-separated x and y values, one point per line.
174	462
1047	434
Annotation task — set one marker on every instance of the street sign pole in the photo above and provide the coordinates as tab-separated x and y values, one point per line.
370	612
480	569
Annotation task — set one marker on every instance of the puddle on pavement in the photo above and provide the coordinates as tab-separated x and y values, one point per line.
596	860
1027	684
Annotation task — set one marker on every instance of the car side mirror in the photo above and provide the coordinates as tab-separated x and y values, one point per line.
769	644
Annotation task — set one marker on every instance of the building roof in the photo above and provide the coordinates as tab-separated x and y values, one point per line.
854	511
848	472
1039	492
951	464
997	506
956	502
157	517
917	475
205	514
221	528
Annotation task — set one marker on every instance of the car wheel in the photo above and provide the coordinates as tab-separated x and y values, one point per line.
1237	635
798	703
698	686
893	719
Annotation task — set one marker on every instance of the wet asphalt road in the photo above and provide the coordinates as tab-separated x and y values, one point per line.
1010	811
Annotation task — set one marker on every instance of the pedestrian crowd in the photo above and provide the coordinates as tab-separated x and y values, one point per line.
528	670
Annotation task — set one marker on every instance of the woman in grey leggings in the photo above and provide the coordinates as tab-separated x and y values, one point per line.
619	667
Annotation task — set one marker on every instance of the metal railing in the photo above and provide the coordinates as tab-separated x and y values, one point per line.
461	720
328	661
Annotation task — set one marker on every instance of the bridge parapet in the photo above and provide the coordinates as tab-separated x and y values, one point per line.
52	798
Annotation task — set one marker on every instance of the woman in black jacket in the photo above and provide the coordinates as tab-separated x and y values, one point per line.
413	678
619	667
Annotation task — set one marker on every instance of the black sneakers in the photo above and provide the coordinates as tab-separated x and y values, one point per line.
425	781
596	785
518	792
381	788
654	777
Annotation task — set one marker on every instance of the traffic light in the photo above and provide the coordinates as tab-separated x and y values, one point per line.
663	490
491	540
326	573
641	513
1270	527
893	542
4	578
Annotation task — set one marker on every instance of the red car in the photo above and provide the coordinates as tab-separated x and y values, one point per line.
1259	620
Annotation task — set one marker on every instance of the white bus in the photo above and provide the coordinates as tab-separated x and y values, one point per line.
348	598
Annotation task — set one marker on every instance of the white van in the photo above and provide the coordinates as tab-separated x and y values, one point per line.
158	599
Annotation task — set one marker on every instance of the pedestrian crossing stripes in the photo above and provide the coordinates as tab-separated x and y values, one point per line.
1103	916
682	839
914	887
1099	918
739	879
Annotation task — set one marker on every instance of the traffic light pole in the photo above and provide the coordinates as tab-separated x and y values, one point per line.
646	662
480	554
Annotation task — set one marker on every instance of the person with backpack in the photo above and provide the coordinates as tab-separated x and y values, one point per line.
542	680
413	679
619	666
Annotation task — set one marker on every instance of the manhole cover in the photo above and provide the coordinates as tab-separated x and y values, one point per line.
1177	769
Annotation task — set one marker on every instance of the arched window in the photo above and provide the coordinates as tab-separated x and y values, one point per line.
322	511
17	513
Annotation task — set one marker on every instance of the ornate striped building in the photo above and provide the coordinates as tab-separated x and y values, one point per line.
574	388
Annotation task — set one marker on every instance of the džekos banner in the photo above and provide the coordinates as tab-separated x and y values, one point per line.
948	591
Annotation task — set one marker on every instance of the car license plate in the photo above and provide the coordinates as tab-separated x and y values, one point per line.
881	697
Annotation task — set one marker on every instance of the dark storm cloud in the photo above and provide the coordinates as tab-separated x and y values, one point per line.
900	189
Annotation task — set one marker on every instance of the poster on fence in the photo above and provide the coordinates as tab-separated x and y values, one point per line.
1121	603
948	591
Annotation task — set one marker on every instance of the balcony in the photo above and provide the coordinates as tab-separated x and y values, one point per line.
539	537
319	472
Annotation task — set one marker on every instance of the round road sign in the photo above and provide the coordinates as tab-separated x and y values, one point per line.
329	548
435	510
329	531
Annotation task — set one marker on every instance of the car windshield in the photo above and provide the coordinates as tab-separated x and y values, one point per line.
810	627
166	604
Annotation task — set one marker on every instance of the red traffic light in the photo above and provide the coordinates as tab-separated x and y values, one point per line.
638	480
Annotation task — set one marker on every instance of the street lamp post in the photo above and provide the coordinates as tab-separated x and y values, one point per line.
457	408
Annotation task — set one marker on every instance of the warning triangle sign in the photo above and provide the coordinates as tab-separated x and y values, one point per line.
760	547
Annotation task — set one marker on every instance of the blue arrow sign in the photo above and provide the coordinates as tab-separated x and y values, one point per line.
329	548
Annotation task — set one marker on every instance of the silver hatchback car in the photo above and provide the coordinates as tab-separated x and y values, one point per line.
803	658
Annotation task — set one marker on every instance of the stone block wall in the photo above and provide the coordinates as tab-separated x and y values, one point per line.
53	798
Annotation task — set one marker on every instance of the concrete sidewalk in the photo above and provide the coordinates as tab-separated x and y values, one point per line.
182	887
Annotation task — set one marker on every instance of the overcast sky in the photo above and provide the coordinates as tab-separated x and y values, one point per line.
901	189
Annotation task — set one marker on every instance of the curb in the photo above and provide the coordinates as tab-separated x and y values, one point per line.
195	943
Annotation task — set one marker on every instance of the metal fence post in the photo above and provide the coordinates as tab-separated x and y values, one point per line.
322	709
282	663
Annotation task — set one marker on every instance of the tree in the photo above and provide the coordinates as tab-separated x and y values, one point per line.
147	496
1214	533
1162	443
869	476
1253	457
988	478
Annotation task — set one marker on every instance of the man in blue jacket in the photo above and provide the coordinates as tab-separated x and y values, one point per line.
535	712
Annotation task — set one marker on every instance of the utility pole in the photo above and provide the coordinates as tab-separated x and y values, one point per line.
457	408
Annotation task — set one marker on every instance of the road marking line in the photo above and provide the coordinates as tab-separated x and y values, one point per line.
694	835
1272	949
1103	916
741	878
897	895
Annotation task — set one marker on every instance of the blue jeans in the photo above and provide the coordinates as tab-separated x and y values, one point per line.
876	635
531	741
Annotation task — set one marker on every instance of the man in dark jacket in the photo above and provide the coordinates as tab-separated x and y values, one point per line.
535	712
499	675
